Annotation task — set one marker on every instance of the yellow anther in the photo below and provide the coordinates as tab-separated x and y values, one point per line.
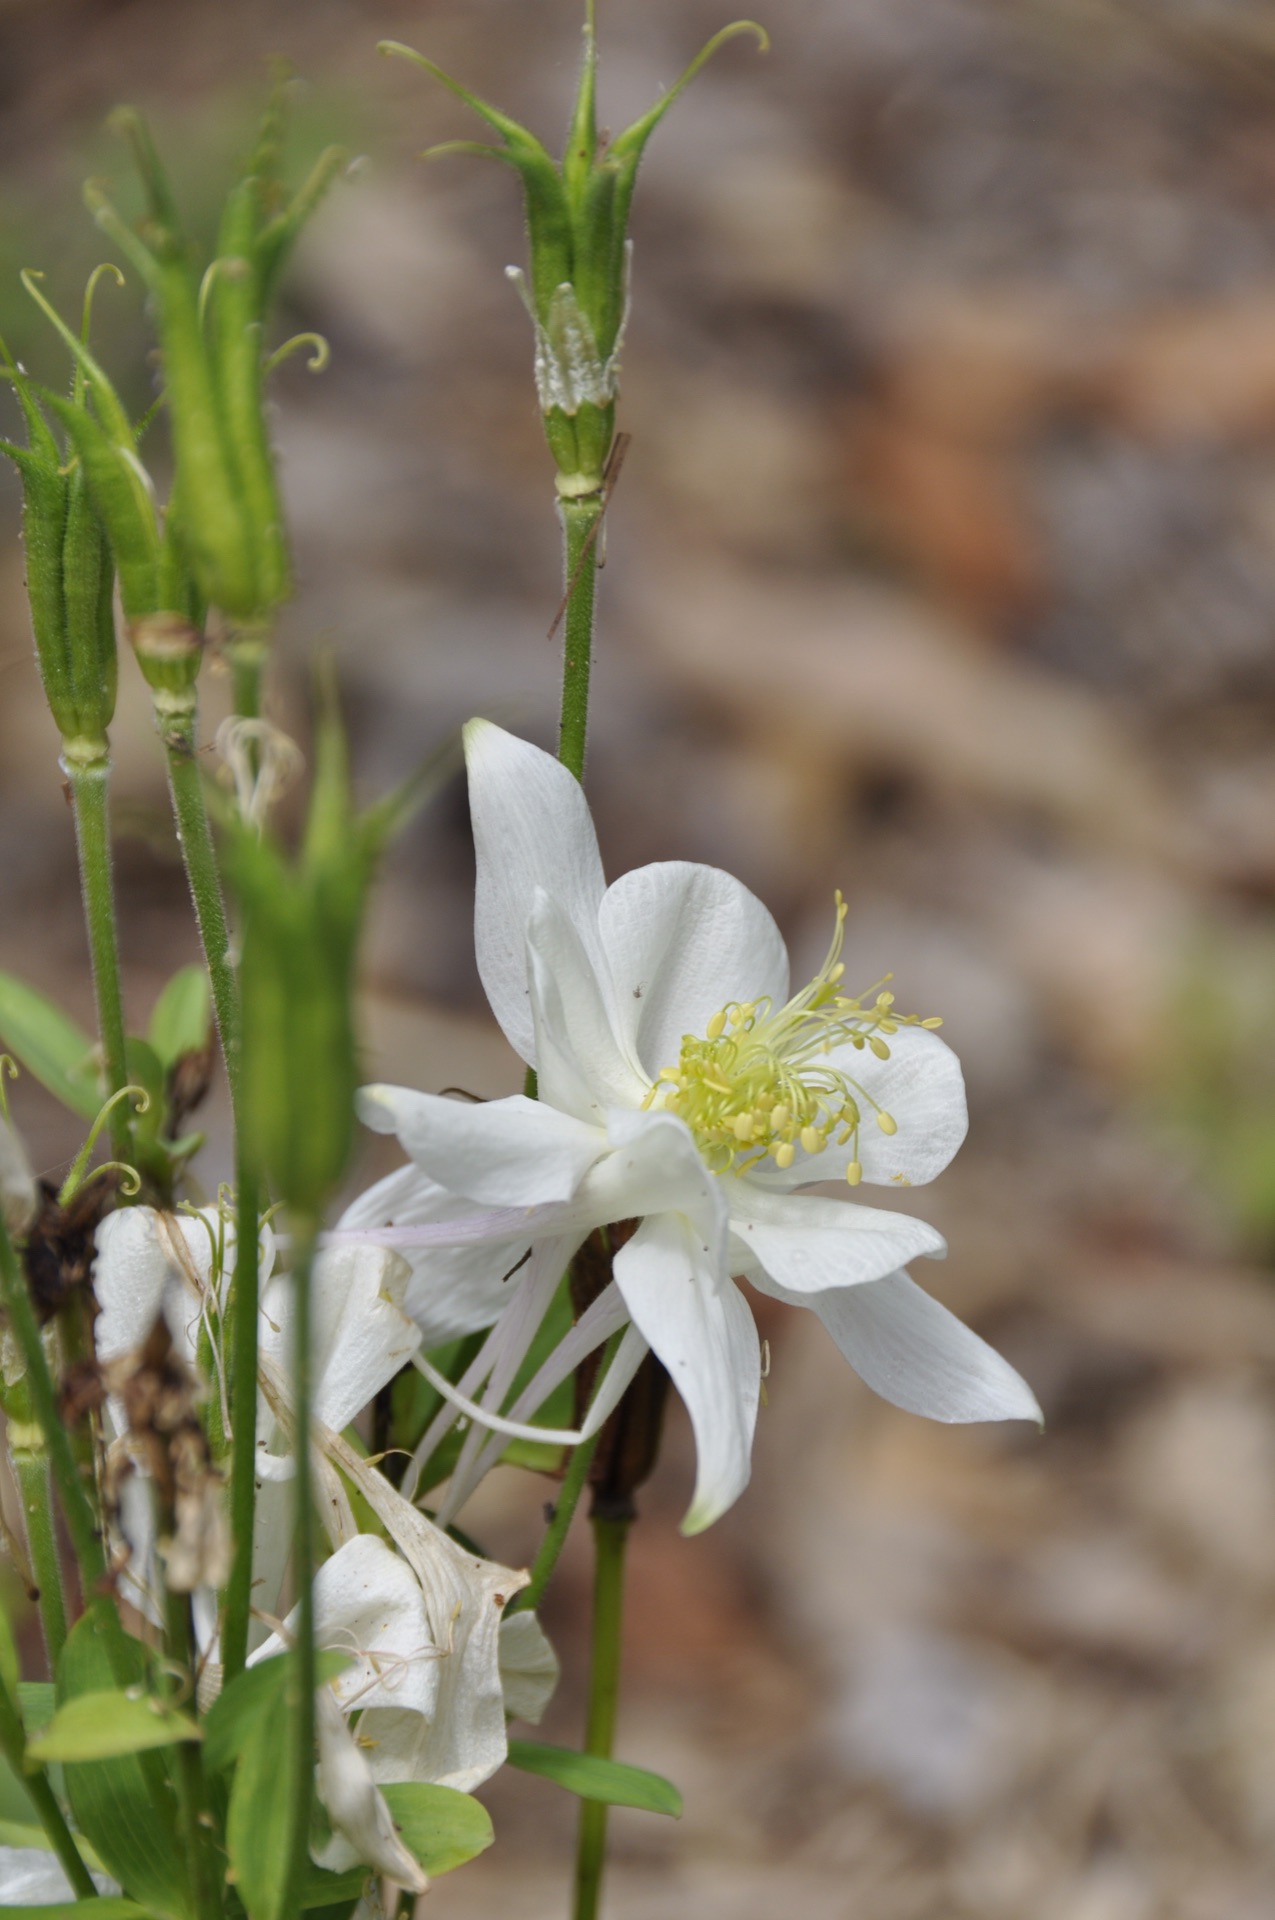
935	1020
784	1153
854	1173
716	1028
671	1074
885	999
742	1127
879	1048
780	1116
900	1180
836	973
887	1123
812	1140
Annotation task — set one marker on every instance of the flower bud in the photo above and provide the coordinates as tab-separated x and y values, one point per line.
577	225
301	924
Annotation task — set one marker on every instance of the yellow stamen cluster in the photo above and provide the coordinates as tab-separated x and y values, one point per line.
758	1084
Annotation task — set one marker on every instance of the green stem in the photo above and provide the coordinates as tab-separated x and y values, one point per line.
247	654
610	1538
580	559
188	1769
90	786
564	1507
13	1744
31	1471
200	858
305	1234
243	1419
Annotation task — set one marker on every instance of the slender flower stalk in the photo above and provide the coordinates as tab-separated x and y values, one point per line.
580	528
36	1782
29	1459
301	1691
199	857
188	1770
243	1415
90	783
610	1537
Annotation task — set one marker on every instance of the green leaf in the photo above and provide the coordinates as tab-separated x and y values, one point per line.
15	1833
259	1815
8	1657
439	1826
182	1016
594	1779
253	1697
109	1799
49	1045
328	1895
107	1907
100	1726
38	1700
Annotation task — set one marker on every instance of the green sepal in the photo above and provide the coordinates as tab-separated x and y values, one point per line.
49	1044
121	495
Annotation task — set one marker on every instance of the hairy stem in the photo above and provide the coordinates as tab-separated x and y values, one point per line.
90	786
200	859
580	520
31	1471
305	1234
188	1769
243	1418
13	1746
610	1537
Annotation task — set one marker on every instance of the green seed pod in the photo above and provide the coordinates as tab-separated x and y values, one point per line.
212	328
577	214
70	577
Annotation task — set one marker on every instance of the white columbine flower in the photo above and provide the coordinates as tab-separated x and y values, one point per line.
682	1087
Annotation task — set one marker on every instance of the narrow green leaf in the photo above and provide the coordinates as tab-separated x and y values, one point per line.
49	1045
109	1799
252	1697
594	1779
330	1894
261	1799
100	1726
107	1907
38	1700
439	1826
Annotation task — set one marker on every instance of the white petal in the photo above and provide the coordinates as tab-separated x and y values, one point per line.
807	1243
362	1337
682	941
921	1088
18	1196
581	1068
699	1325
505	1153
464	1741
531	829
654	1167
529	1667
356	1807
914	1353
451	1290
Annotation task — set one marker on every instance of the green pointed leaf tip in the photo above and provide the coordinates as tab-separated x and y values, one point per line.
102	1726
596	1779
182	1017
50	1046
577	221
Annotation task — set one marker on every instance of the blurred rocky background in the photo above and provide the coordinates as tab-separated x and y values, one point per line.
942	568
